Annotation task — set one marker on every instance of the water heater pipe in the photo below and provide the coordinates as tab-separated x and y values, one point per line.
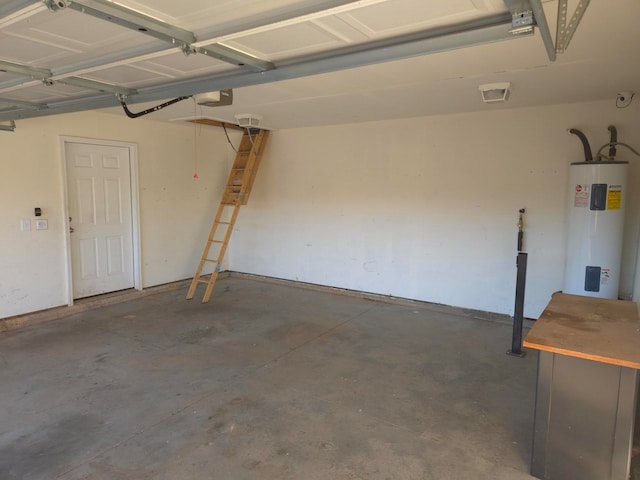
585	144
612	142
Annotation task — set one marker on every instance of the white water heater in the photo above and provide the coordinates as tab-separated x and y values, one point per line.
597	192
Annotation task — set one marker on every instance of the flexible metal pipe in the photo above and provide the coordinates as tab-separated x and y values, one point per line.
585	144
612	142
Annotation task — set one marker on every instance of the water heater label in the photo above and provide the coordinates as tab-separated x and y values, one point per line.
581	198
605	276
614	197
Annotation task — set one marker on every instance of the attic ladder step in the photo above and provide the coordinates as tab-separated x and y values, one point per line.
236	194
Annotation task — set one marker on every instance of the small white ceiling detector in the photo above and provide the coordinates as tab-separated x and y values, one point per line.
495	92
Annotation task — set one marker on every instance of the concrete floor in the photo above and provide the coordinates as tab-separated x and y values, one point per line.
266	381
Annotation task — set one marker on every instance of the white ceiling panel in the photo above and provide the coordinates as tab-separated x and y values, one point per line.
178	64
69	29
51	40
126	75
341	29
226	15
43	94
32	52
185	12
402	16
287	41
172	11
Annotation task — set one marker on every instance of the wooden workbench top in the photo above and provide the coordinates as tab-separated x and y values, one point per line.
597	329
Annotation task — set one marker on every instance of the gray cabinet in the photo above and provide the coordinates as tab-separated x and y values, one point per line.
586	389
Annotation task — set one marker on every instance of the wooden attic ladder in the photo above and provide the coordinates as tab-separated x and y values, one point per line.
236	194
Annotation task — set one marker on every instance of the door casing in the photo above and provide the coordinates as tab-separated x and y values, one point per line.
135	208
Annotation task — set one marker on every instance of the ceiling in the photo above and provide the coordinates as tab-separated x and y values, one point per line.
304	62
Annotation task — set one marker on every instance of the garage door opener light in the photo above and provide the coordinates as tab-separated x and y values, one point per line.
248	120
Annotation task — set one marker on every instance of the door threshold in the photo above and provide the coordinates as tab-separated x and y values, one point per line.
104	298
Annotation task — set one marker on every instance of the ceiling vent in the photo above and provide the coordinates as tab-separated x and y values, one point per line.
248	120
495	92
215	99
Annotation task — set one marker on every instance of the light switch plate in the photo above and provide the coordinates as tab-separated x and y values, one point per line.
42	224
25	225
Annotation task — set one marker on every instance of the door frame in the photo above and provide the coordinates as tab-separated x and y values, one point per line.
135	207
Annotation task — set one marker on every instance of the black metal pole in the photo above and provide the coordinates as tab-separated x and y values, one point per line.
518	314
521	279
520	228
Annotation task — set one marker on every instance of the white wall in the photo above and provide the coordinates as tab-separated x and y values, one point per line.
176	210
426	208
421	208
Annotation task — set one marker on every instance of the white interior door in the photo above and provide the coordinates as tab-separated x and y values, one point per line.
100	218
